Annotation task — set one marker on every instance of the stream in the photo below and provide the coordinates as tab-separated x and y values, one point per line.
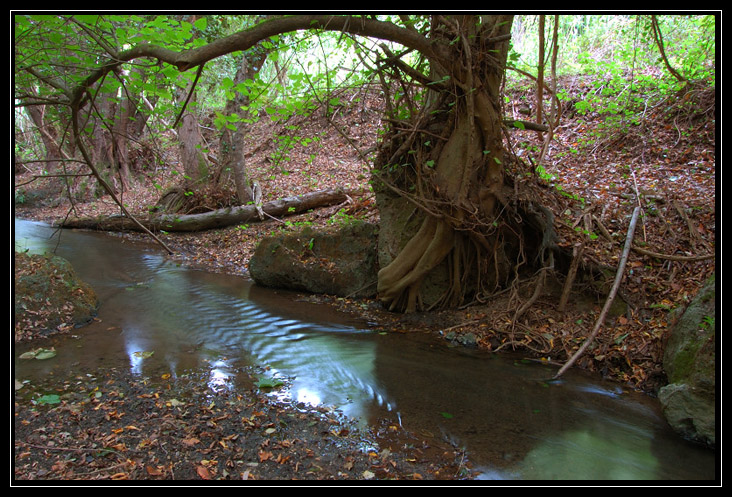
513	422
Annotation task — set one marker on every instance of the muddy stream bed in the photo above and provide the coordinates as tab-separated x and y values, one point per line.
512	421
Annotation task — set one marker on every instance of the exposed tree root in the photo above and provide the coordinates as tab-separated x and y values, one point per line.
422	253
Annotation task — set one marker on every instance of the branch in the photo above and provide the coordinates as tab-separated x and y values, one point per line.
658	37
681	258
520	124
220	218
610	297
188	98
245	39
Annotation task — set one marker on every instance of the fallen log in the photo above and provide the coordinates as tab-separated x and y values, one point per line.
219	218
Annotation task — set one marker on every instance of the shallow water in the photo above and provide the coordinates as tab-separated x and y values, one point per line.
513	422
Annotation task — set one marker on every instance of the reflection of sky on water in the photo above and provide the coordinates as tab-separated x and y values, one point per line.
307	396
327	364
135	348
219	377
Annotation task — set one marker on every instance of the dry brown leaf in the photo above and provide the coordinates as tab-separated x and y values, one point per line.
190	441
203	472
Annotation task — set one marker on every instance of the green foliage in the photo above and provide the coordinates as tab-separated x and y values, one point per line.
40	354
49	399
284	144
268	383
342	218
707	322
19	196
619	54
602	44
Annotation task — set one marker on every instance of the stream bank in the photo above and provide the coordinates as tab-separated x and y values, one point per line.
107	423
111	425
471	407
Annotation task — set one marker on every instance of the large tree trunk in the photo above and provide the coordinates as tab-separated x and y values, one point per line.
452	168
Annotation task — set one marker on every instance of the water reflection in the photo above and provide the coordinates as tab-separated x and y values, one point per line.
158	318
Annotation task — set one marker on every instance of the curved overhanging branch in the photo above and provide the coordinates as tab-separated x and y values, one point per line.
245	39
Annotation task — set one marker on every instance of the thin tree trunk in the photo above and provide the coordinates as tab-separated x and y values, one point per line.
120	139
231	143
540	73
194	162
38	115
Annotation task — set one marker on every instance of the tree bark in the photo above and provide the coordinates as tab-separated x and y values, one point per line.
231	143
220	218
120	139
458	177
48	134
194	162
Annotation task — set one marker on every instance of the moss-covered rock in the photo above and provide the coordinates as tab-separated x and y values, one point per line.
689	400
49	296
339	261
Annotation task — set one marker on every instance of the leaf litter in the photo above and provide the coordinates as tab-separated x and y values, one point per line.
113	427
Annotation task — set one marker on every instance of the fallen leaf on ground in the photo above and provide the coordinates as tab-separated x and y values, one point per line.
203	473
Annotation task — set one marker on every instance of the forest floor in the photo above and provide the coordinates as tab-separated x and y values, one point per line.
598	168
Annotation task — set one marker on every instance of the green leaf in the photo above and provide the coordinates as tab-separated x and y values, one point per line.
446	415
201	24
88	19
39	354
269	383
45	354
49	399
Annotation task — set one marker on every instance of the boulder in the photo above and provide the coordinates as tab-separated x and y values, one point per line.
689	400
335	261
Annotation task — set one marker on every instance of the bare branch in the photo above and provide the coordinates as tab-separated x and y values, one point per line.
610	297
